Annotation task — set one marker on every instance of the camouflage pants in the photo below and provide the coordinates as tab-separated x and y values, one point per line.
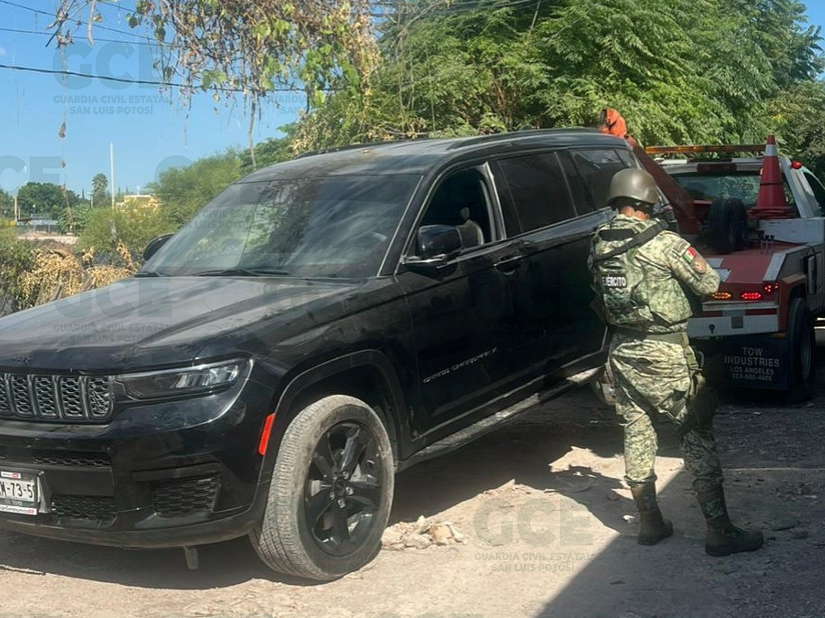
653	378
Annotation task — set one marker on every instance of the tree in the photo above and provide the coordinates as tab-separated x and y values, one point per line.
680	70
797	114
45	198
269	152
105	228
6	205
100	191
184	191
248	47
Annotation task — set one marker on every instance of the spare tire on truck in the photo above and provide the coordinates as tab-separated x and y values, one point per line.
727	225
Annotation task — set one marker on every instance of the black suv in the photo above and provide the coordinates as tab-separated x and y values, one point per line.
320	325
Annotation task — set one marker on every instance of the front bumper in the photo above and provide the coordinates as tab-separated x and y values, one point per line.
160	475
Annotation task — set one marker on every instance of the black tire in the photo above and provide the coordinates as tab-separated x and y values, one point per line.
727	225
313	474
800	351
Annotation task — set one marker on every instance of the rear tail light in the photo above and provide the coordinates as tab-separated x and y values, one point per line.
721	296
770	288
751	296
796	165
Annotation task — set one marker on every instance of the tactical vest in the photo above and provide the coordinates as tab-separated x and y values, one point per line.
619	278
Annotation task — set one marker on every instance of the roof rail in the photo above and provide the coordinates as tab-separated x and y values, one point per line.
524	132
360	145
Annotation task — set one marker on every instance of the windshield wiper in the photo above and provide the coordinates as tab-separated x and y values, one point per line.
242	272
151	273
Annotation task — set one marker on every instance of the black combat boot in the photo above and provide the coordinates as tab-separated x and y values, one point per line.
723	537
653	527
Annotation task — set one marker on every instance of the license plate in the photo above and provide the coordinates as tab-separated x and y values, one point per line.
18	493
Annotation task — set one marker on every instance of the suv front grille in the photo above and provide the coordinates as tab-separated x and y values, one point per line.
77	399
185	496
90	508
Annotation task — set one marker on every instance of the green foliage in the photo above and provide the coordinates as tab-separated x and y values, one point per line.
247	47
6	205
45	198
100	191
134	227
16	258
269	152
680	71
184	191
75	220
798	115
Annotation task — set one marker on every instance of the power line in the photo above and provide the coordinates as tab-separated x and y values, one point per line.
95	25
123	80
100	39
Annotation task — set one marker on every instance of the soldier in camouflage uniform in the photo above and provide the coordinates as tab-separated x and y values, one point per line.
643	276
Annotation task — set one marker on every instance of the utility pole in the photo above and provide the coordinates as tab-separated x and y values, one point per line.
112	170
16	210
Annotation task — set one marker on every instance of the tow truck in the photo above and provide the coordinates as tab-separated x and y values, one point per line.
758	219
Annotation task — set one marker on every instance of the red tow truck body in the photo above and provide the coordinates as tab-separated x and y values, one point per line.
757	331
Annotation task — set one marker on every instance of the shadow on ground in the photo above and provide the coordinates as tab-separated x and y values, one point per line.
774	462
525	453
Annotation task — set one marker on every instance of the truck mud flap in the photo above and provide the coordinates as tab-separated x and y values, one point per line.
753	361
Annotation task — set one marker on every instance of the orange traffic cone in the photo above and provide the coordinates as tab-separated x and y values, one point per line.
771	202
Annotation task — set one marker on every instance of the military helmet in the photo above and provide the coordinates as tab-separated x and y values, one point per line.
635	185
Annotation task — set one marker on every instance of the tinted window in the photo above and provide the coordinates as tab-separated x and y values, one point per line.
597	168
581	196
461	201
538	190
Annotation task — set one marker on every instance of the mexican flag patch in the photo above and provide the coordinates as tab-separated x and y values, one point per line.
696	261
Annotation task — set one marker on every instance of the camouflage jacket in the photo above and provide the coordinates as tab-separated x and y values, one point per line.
647	287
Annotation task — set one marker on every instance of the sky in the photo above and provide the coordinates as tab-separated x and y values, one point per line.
147	129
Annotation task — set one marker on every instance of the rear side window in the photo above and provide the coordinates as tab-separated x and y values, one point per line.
741	185
578	187
538	190
597	168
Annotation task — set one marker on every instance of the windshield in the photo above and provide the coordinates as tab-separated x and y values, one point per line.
336	226
742	185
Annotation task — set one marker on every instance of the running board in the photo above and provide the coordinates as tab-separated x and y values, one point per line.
493	422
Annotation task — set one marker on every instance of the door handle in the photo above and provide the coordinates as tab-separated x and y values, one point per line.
509	264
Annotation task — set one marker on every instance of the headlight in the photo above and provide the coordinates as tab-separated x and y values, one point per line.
199	380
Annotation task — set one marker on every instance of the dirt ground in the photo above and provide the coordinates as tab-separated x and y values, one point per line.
545	528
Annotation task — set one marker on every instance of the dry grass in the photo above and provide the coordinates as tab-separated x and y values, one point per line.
57	273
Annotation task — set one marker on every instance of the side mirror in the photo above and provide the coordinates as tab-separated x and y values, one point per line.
436	245
435	240
154	245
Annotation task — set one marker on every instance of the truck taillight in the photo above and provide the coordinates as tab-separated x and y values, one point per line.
721	296
796	165
770	288
751	296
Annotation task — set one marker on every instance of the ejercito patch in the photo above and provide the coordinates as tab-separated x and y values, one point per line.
614	282
697	262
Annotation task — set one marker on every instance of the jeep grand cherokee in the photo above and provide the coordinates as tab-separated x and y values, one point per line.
320	325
